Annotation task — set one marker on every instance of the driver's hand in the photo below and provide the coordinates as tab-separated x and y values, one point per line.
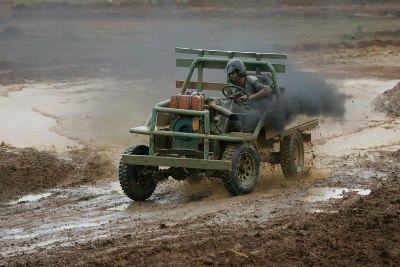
216	102
243	98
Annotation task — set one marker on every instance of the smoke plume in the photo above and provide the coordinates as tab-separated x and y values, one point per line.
306	93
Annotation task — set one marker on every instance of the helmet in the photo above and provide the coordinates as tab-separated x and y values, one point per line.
238	65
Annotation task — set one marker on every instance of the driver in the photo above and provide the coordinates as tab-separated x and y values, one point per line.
256	88
259	92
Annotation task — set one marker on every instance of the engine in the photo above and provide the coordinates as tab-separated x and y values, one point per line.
186	124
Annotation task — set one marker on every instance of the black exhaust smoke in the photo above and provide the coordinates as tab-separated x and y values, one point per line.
306	93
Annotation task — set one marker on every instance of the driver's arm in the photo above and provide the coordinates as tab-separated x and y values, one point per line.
264	92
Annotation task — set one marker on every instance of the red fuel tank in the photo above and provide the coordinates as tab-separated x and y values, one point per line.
187	101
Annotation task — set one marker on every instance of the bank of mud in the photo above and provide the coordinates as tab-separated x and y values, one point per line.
28	170
389	102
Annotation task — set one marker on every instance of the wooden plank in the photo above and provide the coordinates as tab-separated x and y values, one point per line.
205	85
229	54
251	66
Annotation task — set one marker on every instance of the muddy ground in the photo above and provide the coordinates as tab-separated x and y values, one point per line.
74	79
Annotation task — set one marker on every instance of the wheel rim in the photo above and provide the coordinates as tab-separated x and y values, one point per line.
299	161
246	169
142	180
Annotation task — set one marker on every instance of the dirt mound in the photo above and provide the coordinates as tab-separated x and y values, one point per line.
389	102
28	170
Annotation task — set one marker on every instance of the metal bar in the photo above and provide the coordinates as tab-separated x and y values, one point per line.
207	133
146	131
258	58
182	111
302	127
177	162
275	80
251	65
189	75
171	152
199	52
263	64
199	77
153	124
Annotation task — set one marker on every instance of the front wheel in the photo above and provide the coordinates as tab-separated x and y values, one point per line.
292	155
245	169
135	180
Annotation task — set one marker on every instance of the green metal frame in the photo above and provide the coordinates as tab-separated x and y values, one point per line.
220	63
204	61
177	162
211	59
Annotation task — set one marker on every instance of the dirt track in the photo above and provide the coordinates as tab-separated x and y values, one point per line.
346	212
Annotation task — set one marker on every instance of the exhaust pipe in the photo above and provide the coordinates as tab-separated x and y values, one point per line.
224	112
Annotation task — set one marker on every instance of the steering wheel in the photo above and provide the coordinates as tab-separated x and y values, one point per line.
235	96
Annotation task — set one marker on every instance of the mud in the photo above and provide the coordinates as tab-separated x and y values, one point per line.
66	109
262	229
389	102
28	170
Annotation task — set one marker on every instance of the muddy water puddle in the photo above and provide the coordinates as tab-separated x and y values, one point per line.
23	127
326	193
362	128
31	198
67	114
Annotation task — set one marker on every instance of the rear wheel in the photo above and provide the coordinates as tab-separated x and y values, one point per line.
292	155
135	180
245	169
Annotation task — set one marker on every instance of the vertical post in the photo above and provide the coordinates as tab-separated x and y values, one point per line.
258	68
200	77
200	74
152	129
207	133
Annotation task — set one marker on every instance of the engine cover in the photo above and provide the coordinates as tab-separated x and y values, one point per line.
184	125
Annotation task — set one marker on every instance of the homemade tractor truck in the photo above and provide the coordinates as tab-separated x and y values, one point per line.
191	134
